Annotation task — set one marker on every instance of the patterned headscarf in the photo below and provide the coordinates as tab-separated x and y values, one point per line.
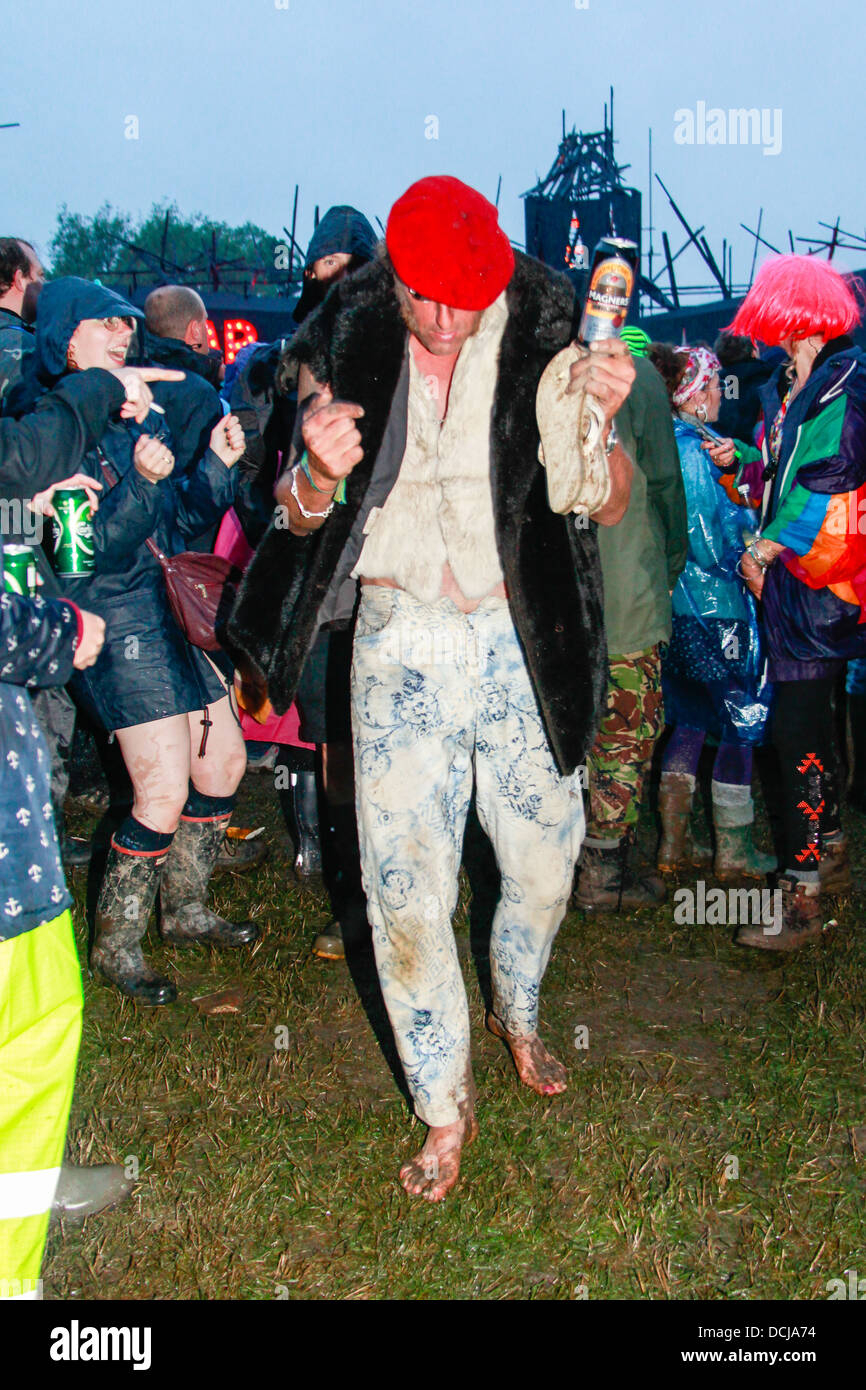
701	369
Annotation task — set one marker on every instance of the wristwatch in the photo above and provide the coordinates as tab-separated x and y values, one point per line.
612	439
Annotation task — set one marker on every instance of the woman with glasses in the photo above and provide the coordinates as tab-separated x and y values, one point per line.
711	671
168	704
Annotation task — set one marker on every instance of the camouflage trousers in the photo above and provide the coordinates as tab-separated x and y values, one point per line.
623	748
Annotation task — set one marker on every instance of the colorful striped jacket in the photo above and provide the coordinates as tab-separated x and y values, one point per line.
814	504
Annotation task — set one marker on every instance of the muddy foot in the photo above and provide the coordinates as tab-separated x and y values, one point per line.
434	1171
536	1067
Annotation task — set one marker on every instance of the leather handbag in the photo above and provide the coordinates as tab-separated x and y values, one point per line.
200	588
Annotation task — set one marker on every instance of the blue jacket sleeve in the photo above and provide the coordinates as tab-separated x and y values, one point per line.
715	542
204	495
38	638
126	516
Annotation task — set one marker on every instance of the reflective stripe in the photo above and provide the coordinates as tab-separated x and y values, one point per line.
27	1194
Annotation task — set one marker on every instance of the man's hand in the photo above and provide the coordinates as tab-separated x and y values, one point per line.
42	502
92	641
331	439
228	440
152	459
139	397
607	374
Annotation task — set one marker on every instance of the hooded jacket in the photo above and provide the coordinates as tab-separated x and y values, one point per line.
126	588
342	230
267	409
357	342
16	342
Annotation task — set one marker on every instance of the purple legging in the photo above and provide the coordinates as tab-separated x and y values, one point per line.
733	763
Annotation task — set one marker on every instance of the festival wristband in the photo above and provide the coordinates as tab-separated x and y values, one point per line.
339	495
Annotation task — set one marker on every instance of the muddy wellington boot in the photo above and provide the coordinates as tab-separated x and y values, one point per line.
609	883
128	893
834	866
677	848
733	818
801	919
197	842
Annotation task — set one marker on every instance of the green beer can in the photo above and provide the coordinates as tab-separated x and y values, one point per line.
73	532
19	570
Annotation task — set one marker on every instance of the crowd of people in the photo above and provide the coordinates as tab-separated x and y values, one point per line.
416	627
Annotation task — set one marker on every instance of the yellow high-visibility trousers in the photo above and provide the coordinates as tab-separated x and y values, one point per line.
40	1029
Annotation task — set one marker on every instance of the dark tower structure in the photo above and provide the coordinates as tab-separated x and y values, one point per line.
583	196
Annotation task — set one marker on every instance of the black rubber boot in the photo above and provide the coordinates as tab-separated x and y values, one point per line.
342	871
608	883
857	715
126	898
187	873
305	811
75	852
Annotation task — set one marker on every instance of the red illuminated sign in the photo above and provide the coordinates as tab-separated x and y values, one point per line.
237	334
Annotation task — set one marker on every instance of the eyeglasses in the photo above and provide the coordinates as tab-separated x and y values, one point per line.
113	323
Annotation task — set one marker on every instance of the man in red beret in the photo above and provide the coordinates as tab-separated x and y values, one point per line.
479	656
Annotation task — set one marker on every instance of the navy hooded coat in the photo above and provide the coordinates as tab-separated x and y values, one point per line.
146	670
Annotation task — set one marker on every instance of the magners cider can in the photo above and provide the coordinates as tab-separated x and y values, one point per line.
73	532
611	283
19	570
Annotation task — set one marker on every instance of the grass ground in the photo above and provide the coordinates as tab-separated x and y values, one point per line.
712	1143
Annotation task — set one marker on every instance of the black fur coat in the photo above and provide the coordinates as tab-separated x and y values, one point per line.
356	342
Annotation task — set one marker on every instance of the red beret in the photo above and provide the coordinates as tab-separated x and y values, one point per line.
445	242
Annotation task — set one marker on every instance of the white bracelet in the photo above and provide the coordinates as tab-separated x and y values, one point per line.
301	508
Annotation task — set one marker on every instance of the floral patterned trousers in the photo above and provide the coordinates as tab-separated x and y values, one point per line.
438	695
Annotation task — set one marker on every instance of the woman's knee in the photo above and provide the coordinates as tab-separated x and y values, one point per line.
160	808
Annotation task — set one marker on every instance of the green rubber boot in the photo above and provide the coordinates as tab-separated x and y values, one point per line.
733	818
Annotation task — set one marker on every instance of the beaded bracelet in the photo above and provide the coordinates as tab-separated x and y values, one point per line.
339	495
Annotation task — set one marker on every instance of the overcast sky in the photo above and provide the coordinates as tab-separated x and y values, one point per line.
237	100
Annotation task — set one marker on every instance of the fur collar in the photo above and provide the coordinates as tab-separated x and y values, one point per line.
356	341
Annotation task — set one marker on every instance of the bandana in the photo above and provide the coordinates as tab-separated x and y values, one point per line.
701	369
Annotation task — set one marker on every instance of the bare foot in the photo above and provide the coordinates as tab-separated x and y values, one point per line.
536	1067
433	1172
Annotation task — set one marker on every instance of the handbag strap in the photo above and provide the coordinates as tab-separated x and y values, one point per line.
112	479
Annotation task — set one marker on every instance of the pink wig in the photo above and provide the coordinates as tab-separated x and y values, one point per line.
796	296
